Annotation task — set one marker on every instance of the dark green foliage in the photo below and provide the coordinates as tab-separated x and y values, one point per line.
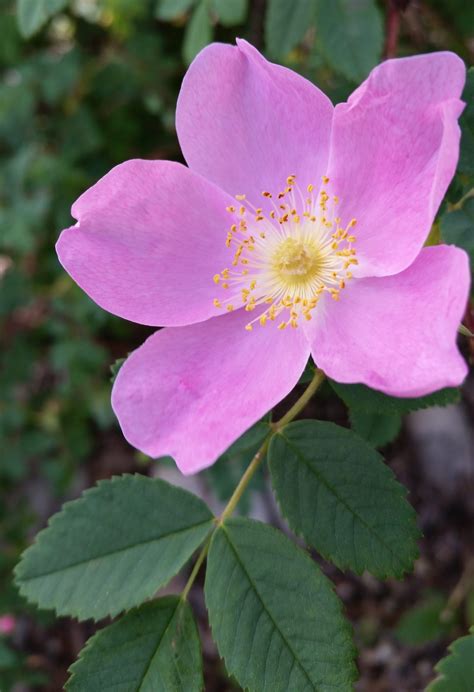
457	228
286	24
79	97
350	35
168	10
230	12
377	428
198	31
466	161
336	492
154	648
32	14
360	397
274	615
424	622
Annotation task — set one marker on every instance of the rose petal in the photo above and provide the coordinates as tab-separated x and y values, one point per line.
247	124
398	333
150	237
189	392
394	149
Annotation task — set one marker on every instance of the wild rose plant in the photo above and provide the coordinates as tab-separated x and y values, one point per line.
296	230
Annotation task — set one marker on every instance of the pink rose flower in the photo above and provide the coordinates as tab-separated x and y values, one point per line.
297	229
7	624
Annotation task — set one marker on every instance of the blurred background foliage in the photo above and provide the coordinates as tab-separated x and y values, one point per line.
85	84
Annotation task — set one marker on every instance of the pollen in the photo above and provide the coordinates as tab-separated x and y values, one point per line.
287	257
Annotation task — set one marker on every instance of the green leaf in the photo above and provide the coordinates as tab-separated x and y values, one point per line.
8	657
466	159
423	623
456	672
336	492
167	10
350	35
457	227
377	428
113	548
360	397
33	14
285	25
230	12
198	32
154	648
274	616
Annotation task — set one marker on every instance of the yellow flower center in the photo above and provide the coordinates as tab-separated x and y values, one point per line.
296	261
285	260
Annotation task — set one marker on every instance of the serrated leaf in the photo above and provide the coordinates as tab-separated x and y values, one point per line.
456	671
33	14
466	158
274	616
457	227
377	428
167	10
230	12
154	648
285	25
198	32
360	397
337	493
350	35
113	548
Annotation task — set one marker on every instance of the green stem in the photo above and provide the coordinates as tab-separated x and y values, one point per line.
197	566
244	481
297	407
250	471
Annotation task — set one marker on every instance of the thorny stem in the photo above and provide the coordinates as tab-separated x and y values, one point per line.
250	471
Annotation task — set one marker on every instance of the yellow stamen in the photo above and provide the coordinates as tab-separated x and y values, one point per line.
287	263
